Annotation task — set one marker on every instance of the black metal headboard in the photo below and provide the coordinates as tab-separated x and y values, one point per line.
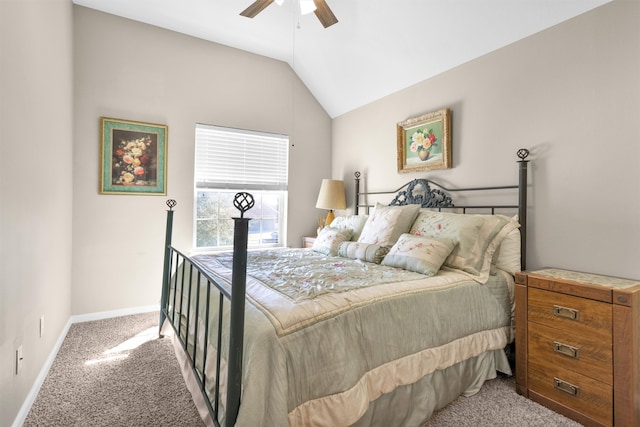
420	192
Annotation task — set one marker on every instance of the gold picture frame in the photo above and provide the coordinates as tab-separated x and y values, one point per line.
133	157
424	142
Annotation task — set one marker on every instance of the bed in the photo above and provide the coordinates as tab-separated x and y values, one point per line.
391	315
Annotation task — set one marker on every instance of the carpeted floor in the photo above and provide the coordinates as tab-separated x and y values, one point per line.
497	405
116	372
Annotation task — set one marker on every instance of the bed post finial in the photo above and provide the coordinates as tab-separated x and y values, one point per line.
171	204
523	153
243	202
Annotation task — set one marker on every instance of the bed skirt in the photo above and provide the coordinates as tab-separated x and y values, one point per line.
412	404
188	375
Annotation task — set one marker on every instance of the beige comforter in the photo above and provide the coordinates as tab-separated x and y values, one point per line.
328	337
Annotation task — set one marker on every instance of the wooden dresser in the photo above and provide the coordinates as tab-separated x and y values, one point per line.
578	345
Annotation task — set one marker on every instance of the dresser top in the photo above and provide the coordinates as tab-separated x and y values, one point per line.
610	282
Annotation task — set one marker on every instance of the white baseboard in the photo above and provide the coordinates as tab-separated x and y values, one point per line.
80	318
35	389
33	393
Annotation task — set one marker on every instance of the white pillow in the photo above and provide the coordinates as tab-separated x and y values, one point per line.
507	256
387	223
354	223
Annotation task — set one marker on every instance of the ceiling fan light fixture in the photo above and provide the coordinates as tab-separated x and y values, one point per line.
307	7
320	7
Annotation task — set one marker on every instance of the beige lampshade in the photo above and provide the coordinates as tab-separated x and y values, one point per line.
332	195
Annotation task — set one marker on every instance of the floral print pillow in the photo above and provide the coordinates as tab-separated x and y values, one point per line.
420	254
329	240
477	237
387	223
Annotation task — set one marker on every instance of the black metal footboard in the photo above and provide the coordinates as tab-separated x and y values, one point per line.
186	302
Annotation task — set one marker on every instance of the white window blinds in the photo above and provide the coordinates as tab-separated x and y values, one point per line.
238	159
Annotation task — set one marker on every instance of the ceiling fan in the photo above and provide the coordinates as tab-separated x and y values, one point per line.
319	7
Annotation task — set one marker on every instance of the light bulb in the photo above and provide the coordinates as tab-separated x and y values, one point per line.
307	7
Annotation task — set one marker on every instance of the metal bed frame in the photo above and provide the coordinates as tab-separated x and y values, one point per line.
173	275
180	272
435	198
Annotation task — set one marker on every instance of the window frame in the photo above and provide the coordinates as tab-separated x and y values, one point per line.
258	190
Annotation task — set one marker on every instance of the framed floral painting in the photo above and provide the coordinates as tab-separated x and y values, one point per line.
424	142
133	157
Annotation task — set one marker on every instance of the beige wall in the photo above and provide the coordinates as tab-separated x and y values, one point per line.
125	69
36	142
63	67
571	94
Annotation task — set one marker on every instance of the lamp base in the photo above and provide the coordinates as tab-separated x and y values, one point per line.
329	219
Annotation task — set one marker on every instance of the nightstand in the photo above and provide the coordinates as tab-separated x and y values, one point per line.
578	345
307	242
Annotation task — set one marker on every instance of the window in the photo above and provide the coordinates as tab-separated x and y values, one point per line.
232	160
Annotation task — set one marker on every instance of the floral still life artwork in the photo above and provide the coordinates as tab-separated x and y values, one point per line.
133	157
424	142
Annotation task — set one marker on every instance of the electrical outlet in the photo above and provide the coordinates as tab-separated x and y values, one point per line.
19	359
41	326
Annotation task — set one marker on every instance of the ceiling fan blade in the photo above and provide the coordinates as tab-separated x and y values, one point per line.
324	14
255	8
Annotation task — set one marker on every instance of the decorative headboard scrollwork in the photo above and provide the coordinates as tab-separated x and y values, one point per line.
419	192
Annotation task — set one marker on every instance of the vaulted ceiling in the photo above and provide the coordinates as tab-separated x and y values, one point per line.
378	46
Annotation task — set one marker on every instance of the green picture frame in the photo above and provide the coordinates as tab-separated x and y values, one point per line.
133	157
424	142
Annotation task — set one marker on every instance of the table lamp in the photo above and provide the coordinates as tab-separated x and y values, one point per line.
332	196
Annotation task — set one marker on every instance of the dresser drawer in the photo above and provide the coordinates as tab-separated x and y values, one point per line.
576	316
549	346
592	398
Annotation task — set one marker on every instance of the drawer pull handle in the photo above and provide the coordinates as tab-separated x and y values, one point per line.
566	313
566	350
566	387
